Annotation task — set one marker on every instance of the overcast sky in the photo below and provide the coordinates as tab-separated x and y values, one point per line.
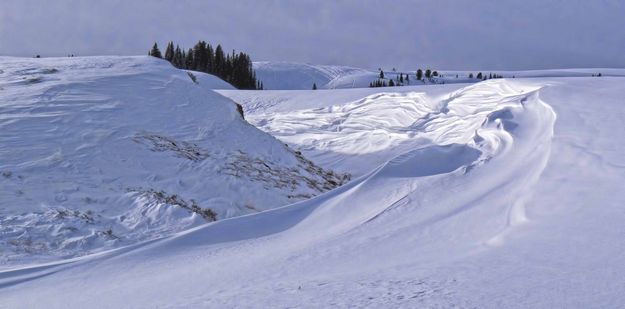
443	34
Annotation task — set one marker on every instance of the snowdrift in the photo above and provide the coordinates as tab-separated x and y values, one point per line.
102	152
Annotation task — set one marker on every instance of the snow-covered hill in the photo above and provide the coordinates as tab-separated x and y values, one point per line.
301	76
292	75
500	194
102	152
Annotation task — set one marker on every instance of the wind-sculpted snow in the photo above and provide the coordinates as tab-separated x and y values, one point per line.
382	125
102	152
451	179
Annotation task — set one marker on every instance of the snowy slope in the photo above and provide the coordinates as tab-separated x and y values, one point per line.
508	196
102	152
301	76
292	75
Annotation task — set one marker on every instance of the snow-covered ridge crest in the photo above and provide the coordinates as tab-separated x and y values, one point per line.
101	152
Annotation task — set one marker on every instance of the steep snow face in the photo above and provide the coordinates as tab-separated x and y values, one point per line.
100	152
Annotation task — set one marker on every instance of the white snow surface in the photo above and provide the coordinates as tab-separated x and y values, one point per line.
501	194
103	152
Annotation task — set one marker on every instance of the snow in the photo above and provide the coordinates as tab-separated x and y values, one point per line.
292	75
301	76
103	152
500	194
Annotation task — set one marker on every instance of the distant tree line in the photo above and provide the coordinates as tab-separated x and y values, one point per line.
481	76
403	79
428	74
423	76
235	68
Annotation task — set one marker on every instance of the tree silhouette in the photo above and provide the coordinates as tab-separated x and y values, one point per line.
155	52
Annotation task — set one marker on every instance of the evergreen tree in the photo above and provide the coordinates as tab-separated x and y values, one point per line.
199	57
428	73
470	75
210	59
479	75
401	78
381	74
169	52
314	86
189	61
155	52
435	73
419	74
227	68
391	83
235	68
220	61
178	60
